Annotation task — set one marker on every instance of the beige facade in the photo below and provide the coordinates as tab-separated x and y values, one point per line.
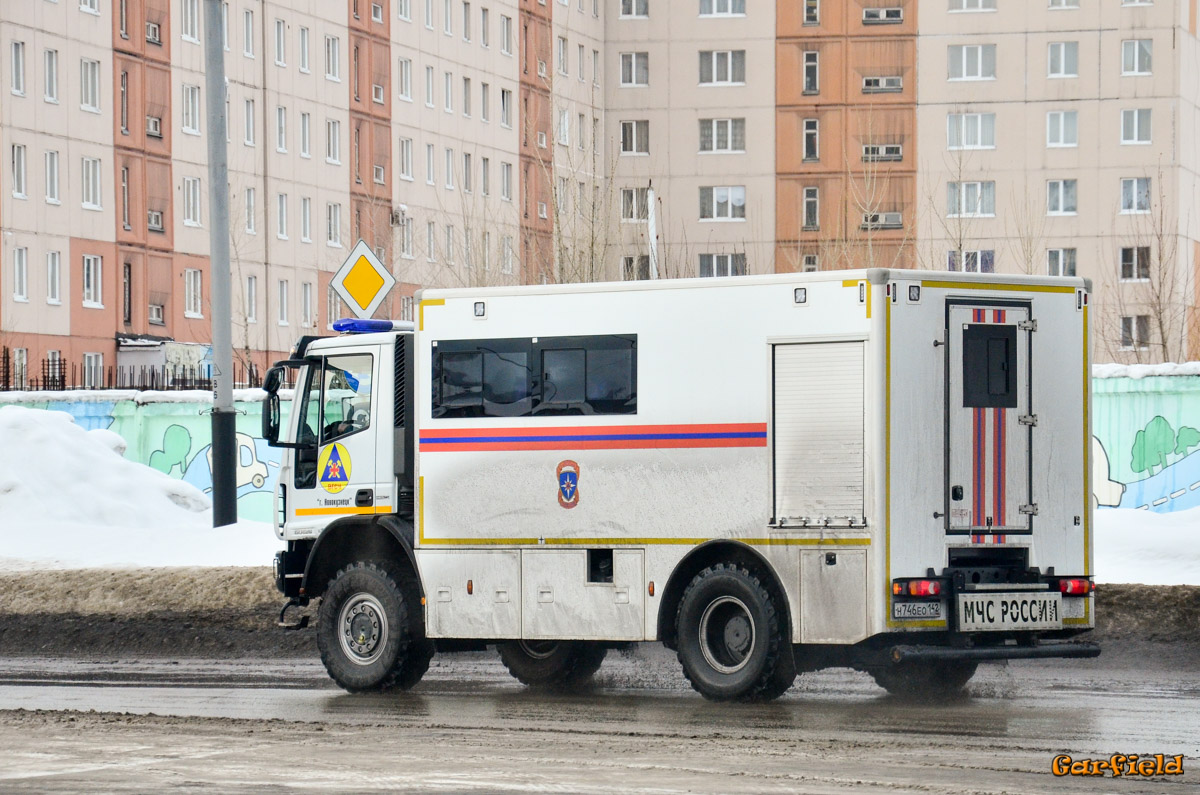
1070	131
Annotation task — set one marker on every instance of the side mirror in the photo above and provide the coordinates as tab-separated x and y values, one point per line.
270	415
273	380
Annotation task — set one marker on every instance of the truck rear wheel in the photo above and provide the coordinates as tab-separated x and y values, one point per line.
730	643
937	679
364	630
552	663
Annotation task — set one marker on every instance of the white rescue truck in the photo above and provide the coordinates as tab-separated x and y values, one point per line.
881	469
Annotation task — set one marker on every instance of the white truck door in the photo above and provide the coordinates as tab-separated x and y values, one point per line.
989	421
336	477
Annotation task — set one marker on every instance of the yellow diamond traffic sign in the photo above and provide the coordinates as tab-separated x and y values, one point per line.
362	281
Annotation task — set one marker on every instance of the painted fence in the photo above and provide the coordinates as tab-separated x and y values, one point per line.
1146	448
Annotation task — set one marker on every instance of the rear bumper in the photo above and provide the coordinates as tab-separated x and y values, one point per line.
1076	649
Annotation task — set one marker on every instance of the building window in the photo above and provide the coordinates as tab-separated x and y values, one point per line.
192	305
18	172
93	369
307	313
248	131
722	135
1136	56
333	225
248	33
638	8
405	162
280	129
1060	197
125	198
812	209
191	109
562	58
1135	264
251	299
722	265
971	199
878	153
812	12
93	294
485	176
1060	262
1135	332
722	8
333	141
983	261
635	68
305	135
719	67
485	102
333	68
723	203
448	91
972	61
281	225
449	153
1062	128
887	84
404	78
91	184
466	97
191	201
21	274
406	237
190	21
305	219
376	12
250	208
304	48
564	127
809	263
53	277
892	15
280	43
1135	195
505	107
506	181
89	85
973	5
1135	126
18	68
636	268
282	303
506	35
50	88
1063	59
812	60
635	206
971	131
468	170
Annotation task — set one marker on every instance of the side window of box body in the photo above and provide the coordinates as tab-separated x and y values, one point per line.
523	378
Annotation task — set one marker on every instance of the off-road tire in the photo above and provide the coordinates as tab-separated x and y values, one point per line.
935	680
387	660
552	664
743	654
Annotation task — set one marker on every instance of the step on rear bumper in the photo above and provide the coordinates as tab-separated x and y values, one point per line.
1076	649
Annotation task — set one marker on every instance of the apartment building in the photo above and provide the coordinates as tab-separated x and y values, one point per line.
1060	137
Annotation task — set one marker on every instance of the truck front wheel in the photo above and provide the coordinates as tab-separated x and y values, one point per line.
364	630
730	642
552	663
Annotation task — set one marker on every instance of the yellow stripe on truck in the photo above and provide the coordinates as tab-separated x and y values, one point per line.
347	511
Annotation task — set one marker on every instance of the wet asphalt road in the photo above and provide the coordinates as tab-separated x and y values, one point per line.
249	725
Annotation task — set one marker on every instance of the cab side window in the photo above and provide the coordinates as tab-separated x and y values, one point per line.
335	402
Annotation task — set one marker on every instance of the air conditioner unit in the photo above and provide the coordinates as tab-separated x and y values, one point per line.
153	33
154	126
154	219
397	217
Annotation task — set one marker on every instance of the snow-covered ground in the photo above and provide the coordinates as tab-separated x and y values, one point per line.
69	499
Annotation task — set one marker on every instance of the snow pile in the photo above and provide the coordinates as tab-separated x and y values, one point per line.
69	499
1144	370
1147	547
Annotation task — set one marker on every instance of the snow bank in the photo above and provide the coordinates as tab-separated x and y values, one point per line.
1144	370
69	499
252	395
1150	548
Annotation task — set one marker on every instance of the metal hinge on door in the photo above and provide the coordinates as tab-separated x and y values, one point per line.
1027	419
1027	325
1030	509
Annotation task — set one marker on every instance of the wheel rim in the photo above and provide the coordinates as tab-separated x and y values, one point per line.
538	649
362	629
727	634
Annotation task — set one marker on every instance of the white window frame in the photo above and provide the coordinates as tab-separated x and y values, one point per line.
635	65
92	182
333	142
1059	261
281	129
54	278
92	281
985	194
811	72
404	78
635	9
193	296
333	56
251	299
723	67
20	172
93	363
635	205
727	128
731	194
405	161
333	224
191	202
1131	121
281	216
248	33
89	85
189	24
249	131
970	58
20	262
1140	269
50	79
1060	117
1135	332
191	109
250	210
307	315
506	181
305	47
17	68
1133	191
305	219
505	35
281	304
811	208
280	43
305	134
1133	51
1060	193
1064	52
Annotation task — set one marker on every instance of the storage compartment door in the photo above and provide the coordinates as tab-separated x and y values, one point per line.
833	596
561	601
989	423
817	433
471	594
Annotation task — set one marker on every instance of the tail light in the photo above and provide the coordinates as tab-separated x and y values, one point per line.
917	588
1076	587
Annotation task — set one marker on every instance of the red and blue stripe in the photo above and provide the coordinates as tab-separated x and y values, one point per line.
596	437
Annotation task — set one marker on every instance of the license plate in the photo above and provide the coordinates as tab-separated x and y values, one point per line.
1003	611
903	610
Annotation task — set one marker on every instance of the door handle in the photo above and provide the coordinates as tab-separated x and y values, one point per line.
364	498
